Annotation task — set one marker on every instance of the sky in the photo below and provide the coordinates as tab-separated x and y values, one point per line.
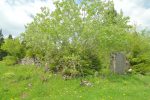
15	14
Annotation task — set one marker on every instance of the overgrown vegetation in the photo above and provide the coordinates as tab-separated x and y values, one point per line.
76	39
68	52
28	82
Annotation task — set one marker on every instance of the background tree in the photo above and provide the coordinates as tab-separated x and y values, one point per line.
80	35
1	37
10	36
14	49
2	52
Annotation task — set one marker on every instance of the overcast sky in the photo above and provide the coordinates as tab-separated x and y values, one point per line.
14	14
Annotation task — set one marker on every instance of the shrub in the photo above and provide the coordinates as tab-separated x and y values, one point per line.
70	65
74	66
8	75
140	63
13	47
10	60
141	68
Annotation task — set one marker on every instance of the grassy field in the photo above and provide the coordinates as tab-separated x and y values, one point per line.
30	83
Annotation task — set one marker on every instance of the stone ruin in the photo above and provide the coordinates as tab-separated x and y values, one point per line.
30	61
119	63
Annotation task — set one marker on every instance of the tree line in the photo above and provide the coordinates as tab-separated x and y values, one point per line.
77	39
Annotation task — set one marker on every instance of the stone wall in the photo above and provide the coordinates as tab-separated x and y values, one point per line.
30	61
118	63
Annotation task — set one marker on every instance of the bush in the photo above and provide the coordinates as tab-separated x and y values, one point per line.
70	65
142	68
140	64
13	47
74	66
10	60
8	75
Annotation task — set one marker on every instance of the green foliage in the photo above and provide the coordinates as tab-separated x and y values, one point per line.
8	75
10	60
24	82
13	47
2	52
62	38
10	36
139	55
90	31
1	37
70	65
75	65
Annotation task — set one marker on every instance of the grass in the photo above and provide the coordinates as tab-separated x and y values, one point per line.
30	83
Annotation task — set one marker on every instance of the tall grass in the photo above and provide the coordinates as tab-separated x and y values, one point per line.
30	83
